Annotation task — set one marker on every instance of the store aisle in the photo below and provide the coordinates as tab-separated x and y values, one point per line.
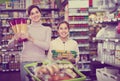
9	76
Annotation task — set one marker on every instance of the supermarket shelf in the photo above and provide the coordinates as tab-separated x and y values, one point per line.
5	50
95	10
5	18
11	10
85	37
84	61
4	62
83	45
79	29
84	52
78	22
88	79
7	33
49	18
14	70
9	62
5	44
104	62
109	21
5	26
107	39
23	10
8	70
78	14
93	49
84	69
8	18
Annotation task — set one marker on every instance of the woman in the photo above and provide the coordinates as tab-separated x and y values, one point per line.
38	37
63	43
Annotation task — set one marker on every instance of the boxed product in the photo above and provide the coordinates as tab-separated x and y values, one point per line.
19	25
63	54
99	74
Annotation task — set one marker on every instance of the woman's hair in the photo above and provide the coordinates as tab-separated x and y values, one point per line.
62	23
31	7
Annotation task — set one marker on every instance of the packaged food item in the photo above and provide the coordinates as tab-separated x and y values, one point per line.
13	26
23	25
55	68
63	54
18	24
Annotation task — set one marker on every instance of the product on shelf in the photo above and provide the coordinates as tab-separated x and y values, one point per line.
15	14
23	26
79	31
8	5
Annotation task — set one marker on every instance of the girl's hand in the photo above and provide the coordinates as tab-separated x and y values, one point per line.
59	57
70	57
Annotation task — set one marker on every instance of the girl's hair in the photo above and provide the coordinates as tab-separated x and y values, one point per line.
62	23
31	7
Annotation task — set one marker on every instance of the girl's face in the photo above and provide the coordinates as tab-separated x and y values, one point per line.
35	15
63	30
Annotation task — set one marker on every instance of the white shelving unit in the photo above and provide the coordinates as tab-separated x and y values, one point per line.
109	51
78	20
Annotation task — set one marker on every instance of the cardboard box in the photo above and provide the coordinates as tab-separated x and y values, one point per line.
107	74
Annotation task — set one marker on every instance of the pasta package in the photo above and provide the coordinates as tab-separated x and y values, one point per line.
19	25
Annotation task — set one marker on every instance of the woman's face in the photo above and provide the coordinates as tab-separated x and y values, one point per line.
63	30
35	15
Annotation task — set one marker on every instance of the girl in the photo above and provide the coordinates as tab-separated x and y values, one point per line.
64	43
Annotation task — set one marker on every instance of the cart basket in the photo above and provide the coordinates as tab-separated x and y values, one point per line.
30	70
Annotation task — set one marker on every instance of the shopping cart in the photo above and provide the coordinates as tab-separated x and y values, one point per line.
30	70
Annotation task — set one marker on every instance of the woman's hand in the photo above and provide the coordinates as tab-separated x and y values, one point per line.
17	36
26	36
